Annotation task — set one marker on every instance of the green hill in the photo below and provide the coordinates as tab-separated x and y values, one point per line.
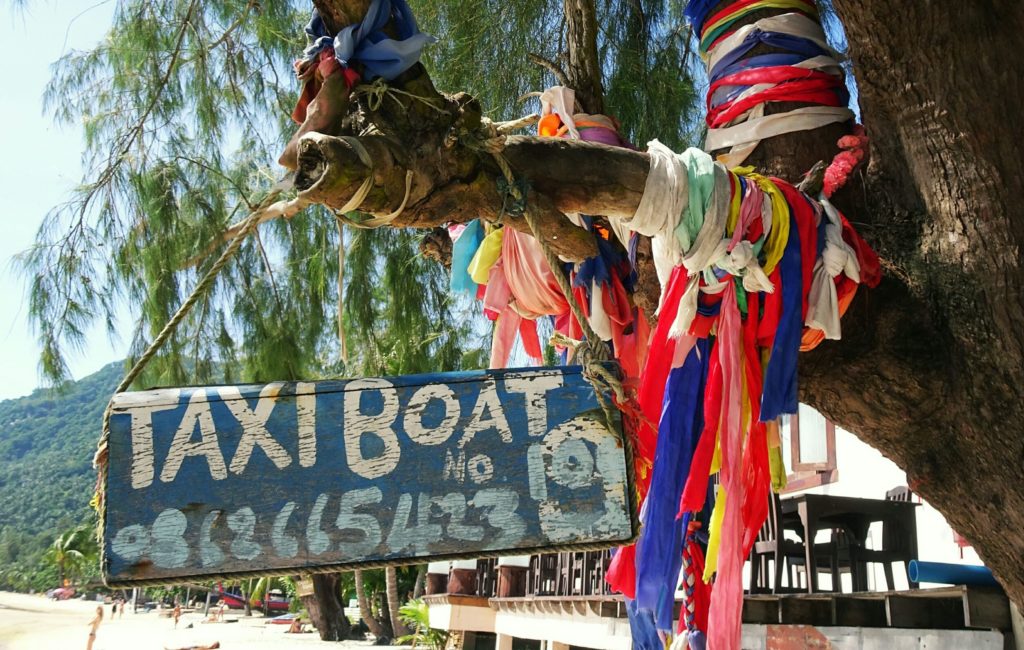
47	441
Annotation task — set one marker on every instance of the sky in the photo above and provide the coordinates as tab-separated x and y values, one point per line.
40	165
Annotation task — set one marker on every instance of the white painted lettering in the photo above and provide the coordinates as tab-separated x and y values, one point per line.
285	545
487	414
197	415
209	553
131	543
366	524
454	505
254	426
536	473
481	469
142	441
414	411
170	550
317	540
535	389
305	411
417	536
381	425
499	506
243	523
454	466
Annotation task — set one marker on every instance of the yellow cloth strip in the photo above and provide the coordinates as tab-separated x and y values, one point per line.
485	257
714	535
775	244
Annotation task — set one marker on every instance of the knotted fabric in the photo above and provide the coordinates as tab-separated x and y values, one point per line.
367	43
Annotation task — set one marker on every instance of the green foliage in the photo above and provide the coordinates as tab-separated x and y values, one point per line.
484	48
416	615
46	479
184	105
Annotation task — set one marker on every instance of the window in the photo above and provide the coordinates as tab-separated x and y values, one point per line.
809	449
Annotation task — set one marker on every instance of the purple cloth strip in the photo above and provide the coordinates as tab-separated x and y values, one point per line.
788	42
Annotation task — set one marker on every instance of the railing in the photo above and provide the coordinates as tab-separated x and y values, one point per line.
487	577
568	574
550	574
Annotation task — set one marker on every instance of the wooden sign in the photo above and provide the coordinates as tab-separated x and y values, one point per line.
235	480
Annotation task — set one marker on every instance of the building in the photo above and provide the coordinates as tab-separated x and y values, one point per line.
561	602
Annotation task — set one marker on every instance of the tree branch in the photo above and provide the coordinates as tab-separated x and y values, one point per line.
551	67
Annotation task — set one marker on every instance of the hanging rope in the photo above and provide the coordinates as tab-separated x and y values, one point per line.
267	209
591	352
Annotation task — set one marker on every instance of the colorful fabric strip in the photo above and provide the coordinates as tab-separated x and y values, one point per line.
719	23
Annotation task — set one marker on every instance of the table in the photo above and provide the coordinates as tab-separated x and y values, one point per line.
855	515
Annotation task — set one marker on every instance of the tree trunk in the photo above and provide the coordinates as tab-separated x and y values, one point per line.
365	608
943	196
394	602
583	68
326	611
421	581
931	367
246	588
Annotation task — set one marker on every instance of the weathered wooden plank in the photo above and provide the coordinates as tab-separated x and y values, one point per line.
858	612
283	477
924	613
805	611
986	607
761	610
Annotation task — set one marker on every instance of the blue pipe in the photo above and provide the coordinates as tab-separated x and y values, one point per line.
951	574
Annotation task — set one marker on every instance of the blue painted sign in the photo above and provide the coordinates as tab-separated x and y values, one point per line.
295	475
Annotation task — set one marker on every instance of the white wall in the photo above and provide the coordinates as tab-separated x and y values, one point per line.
866	473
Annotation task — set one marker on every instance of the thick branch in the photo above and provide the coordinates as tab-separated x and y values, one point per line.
564	176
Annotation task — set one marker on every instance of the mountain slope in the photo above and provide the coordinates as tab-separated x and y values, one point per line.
46	444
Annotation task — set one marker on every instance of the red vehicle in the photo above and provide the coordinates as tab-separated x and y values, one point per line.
234	600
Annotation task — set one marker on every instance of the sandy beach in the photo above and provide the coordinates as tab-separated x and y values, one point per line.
37	623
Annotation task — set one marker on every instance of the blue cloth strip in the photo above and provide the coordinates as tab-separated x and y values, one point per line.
788	42
659	552
780	395
367	44
641	628
697	11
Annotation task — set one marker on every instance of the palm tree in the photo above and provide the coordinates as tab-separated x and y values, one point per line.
365	610
415	614
397	626
65	554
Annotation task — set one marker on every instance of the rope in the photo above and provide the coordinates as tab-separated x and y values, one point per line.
364	190
267	209
591	353
379	89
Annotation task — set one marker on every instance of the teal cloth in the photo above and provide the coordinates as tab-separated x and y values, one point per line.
700	172
462	254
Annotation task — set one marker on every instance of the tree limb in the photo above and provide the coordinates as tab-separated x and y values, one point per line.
551	67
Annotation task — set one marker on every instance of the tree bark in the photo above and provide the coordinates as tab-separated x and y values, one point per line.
421	581
326	611
942	196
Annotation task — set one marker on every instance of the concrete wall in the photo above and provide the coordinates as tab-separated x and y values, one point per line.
800	637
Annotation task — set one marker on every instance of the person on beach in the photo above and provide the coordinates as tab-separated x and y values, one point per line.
212	646
94	625
177	614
